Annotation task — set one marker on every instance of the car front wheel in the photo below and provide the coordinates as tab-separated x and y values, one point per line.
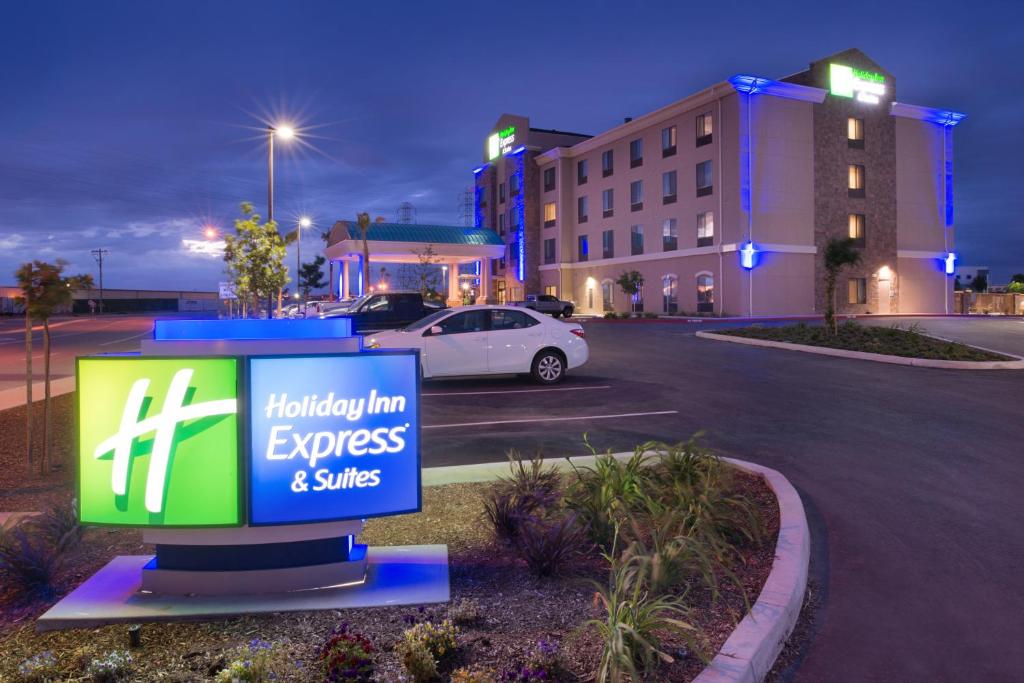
548	367
567	312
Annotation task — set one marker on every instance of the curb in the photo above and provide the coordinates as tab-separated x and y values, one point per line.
751	649
15	396
1017	364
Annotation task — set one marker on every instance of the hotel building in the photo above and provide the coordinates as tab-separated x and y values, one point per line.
724	201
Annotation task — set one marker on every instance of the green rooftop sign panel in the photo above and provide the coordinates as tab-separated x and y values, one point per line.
864	86
158	441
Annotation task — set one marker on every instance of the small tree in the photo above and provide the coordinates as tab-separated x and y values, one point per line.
254	258
838	253
1015	287
80	282
423	276
45	291
1017	277
311	276
630	283
980	283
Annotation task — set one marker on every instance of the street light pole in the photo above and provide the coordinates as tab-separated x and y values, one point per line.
271	132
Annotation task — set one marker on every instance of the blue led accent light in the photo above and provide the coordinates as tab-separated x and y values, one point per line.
478	209
361	283
947	141
950	263
748	255
519	150
219	330
479	169
750	84
519	210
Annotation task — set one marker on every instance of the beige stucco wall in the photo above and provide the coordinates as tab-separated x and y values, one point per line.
924	287
920	195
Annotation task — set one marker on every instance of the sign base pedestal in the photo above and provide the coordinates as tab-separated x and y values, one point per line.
395	575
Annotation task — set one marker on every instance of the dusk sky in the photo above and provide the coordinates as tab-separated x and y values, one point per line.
130	125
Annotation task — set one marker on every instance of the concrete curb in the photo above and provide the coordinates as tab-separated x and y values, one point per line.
750	651
1017	364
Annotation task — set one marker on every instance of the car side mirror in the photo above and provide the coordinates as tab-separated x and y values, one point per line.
436	329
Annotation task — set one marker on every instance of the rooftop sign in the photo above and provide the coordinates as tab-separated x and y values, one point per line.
501	143
864	86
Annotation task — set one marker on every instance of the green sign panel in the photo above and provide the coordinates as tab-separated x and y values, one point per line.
865	86
501	142
158	441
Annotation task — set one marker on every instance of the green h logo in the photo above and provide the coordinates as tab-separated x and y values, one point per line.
158	441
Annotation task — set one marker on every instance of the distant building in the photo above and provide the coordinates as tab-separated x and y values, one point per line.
965	275
725	200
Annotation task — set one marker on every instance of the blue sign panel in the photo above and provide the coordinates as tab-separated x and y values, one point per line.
245	328
333	437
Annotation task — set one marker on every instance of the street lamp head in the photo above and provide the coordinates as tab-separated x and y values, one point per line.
305	222
284	132
210	232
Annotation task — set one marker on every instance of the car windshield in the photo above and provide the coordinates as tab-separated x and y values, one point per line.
423	323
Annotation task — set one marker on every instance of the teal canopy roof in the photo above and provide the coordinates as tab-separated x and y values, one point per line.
430	234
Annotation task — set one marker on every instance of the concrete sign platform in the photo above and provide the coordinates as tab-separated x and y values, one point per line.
395	575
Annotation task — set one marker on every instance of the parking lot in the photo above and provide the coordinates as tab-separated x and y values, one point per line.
911	477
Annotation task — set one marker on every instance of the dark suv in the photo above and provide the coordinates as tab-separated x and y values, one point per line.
385	311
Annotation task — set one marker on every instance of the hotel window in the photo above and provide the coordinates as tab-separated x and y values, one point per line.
669	235
636	195
582	249
668	187
857	226
668	141
550	215
704	129
856	181
705	228
501	224
669	294
549	250
855	132
607	163
513	185
608	203
705	293
551	290
608	244
501	193
549	179
581	172
857	290
636	153
636	240
704	179
607	296
581	210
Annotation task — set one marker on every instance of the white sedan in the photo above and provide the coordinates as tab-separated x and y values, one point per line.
490	340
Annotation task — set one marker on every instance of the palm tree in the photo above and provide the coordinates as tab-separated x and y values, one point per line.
838	253
45	291
363	221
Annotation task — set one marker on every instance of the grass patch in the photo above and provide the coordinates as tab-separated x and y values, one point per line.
893	341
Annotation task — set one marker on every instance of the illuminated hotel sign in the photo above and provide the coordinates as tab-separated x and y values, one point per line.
158	441
864	86
501	142
333	437
327	437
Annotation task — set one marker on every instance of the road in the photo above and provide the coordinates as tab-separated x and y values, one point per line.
911	476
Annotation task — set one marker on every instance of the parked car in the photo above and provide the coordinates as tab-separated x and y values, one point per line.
383	311
546	303
491	340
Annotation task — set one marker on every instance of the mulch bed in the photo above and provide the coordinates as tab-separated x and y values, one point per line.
516	609
893	341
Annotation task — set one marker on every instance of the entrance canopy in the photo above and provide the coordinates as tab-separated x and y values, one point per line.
408	243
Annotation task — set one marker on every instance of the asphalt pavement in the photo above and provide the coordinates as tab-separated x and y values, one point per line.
911	476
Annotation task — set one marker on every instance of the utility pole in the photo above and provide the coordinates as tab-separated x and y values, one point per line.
98	254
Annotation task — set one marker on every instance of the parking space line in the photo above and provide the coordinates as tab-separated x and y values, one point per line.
512	391
550	419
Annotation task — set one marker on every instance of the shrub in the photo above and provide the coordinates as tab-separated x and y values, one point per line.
465	612
40	668
28	564
59	525
544	664
683	463
650	314
474	674
634	620
548	543
530	487
112	667
347	656
605	493
610	315
426	648
252	663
